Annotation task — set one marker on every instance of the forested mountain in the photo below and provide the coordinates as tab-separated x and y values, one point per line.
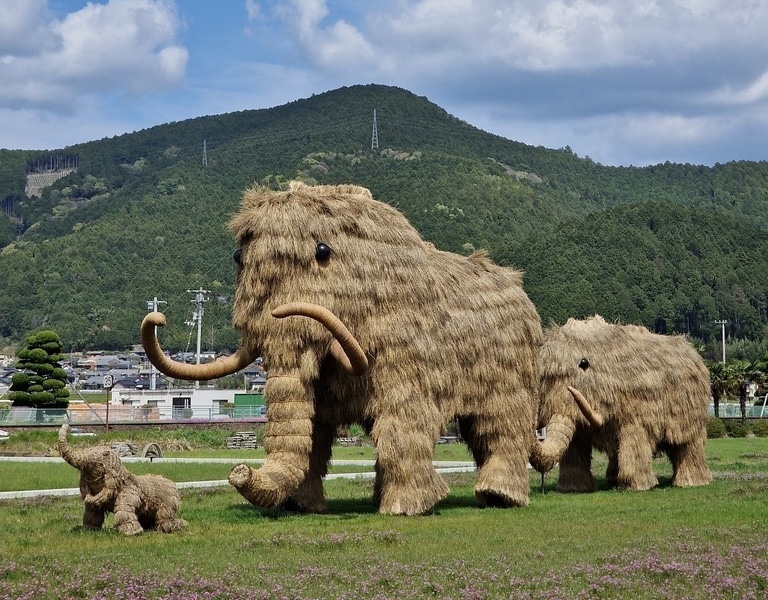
672	246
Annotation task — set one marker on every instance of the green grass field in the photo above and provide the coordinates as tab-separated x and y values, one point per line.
708	542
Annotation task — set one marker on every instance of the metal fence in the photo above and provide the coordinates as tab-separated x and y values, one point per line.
124	414
731	410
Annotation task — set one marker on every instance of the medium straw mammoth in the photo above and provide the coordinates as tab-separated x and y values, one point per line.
360	321
639	394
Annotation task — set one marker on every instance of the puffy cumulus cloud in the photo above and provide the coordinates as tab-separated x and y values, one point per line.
338	47
24	28
573	35
118	47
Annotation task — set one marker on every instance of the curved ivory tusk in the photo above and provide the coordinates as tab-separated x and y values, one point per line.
345	349
219	368
594	417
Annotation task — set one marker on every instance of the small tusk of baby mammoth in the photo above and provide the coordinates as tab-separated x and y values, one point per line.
345	348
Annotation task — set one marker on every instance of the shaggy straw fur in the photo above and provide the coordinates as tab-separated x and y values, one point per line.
445	337
652	392
139	502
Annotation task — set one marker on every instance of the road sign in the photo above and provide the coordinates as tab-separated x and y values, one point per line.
108	381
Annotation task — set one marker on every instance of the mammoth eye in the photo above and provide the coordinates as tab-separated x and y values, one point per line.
238	256
323	251
583	364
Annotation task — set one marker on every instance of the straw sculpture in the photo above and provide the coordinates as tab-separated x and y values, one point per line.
138	502
642	393
360	321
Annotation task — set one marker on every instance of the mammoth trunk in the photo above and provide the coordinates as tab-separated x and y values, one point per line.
560	430
545	455
69	456
288	442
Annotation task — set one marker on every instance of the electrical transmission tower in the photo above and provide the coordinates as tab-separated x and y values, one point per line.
197	318
375	134
152	307
205	153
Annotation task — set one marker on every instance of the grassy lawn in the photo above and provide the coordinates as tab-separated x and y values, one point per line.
708	542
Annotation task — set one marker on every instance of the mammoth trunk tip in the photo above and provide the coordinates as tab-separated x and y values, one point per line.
545	455
64	450
261	487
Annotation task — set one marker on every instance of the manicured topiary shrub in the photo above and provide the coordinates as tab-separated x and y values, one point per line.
735	429
43	383
761	428
715	428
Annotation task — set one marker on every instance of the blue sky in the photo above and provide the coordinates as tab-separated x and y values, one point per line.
625	82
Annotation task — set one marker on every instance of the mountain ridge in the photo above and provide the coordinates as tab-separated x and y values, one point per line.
143	217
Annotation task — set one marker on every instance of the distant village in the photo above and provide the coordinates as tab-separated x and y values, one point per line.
137	391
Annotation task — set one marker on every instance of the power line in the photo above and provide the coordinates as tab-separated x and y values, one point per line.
197	318
152	306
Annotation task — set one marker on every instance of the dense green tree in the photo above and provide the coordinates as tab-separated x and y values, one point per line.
42	383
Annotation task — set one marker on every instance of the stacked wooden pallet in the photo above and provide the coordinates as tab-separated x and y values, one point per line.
243	440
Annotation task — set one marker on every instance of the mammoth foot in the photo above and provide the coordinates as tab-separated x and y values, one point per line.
501	486
298	505
130	528
501	498
412	499
575	481
171	525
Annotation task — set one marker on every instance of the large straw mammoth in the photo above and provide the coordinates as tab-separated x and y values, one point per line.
138	501
358	320
643	393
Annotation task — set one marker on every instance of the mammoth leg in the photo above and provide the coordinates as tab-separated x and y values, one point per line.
166	519
93	518
576	467
126	507
689	462
309	497
500	445
612	471
166	504
635	458
405	437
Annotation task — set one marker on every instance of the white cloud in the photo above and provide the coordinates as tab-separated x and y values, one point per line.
577	35
253	10
752	92
24	27
337	48
122	46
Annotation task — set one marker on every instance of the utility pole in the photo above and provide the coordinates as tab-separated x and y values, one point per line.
152	307
197	318
375	134
722	323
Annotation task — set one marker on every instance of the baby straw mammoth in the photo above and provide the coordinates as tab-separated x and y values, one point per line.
358	320
139	502
642	393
